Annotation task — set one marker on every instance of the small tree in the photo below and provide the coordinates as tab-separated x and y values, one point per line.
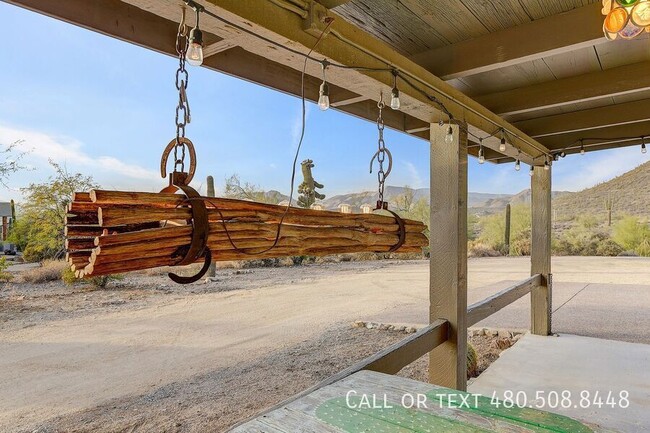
633	235
404	201
234	188
10	160
39	230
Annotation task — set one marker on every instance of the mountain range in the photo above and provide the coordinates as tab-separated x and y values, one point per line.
629	193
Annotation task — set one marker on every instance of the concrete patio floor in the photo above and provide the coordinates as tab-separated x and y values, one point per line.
539	366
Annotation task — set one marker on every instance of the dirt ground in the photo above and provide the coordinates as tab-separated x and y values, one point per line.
147	355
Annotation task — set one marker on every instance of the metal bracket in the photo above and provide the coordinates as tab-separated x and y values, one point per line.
317	19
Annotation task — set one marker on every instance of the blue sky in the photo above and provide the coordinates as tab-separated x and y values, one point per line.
106	108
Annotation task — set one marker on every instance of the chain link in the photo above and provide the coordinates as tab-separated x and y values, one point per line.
381	152
182	117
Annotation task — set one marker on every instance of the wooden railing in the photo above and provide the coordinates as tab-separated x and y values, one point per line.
487	307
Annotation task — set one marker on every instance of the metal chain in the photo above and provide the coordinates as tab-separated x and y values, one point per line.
381	152
183	116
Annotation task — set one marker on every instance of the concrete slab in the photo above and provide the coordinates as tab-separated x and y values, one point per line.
541	366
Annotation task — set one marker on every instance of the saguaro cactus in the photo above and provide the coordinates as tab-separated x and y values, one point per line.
507	233
212	271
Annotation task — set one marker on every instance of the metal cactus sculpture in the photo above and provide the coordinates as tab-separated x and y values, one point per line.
307	189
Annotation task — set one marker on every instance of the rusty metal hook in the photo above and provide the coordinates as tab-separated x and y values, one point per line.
200	230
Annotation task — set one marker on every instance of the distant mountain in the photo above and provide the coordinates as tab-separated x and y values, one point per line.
478	201
629	192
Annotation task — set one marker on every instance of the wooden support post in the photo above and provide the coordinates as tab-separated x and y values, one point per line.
540	297
212	272
448	263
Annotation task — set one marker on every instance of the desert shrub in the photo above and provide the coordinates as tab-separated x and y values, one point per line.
634	235
5	276
472	361
102	281
582	240
608	247
479	249
521	246
68	277
493	228
49	270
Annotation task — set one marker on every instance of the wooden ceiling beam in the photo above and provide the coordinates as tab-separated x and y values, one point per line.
590	119
610	134
153	24
331	4
622	80
126	22
568	31
348	45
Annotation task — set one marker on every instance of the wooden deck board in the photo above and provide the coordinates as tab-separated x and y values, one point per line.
370	401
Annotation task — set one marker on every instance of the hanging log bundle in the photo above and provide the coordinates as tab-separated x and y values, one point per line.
111	232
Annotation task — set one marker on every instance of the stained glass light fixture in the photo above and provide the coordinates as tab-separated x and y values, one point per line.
626	18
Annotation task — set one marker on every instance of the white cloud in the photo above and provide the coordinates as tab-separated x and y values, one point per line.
41	147
415	179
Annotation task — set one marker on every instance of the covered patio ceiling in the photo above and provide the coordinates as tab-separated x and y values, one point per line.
540	69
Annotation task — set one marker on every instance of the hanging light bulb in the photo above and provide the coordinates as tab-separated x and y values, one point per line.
518	162
643	149
547	165
582	148
194	53
502	145
449	138
481	156
531	171
324	92
562	154
394	99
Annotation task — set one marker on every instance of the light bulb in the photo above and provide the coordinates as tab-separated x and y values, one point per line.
502	145
324	97
547	166
582	150
643	149
562	154
194	53
394	100
531	171
517	165
481	157
449	138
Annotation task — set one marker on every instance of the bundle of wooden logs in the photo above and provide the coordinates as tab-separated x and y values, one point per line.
110	232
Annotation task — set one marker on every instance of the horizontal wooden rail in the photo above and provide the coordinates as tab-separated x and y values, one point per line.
390	360
487	307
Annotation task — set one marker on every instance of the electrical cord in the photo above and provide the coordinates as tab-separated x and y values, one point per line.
293	167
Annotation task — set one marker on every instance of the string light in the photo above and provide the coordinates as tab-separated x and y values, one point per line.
518	162
502	145
582	148
547	165
643	149
531	171
195	48
449	138
324	92
481	156
394	99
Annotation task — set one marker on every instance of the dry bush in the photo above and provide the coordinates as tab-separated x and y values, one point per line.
479	249
49	270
